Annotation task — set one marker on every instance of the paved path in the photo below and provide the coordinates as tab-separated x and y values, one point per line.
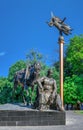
74	121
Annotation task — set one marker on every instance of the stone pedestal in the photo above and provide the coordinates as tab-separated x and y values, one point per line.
31	118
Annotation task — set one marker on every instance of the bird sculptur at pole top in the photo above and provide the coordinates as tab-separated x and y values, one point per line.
60	25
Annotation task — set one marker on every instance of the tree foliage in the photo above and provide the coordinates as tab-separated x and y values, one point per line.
34	56
74	56
5	90
73	70
73	89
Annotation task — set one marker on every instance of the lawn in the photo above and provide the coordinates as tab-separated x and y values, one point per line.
79	111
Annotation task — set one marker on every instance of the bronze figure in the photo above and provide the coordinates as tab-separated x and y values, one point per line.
48	95
60	25
26	77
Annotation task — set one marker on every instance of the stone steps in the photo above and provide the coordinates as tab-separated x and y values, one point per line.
31	118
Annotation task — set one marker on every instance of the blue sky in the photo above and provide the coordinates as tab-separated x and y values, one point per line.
23	27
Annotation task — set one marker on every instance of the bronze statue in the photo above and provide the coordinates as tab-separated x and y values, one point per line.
26	77
60	25
48	93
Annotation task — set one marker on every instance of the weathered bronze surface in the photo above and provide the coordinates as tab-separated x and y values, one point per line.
48	96
60	25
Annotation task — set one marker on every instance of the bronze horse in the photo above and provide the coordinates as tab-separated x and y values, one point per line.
26	78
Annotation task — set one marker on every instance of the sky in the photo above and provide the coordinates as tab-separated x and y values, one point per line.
23	27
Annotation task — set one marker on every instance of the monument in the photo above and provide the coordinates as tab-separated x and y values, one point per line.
49	106
48	95
43	114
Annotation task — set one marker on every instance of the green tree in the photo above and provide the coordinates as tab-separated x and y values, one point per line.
79	85
44	69
73	89
70	93
73	70
5	90
56	77
34	56
74	56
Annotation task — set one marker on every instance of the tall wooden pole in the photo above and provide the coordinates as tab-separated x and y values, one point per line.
61	44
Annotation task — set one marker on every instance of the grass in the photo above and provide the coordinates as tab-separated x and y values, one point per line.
79	111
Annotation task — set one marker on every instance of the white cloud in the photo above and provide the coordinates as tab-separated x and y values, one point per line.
2	53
